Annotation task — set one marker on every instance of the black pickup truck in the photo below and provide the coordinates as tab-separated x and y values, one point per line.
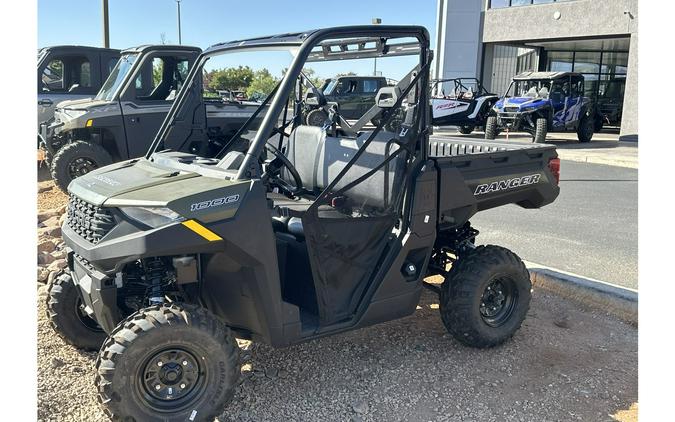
310	232
353	95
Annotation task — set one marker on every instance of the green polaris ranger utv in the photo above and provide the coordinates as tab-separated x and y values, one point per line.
307	232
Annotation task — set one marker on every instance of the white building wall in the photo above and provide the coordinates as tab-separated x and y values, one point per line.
458	46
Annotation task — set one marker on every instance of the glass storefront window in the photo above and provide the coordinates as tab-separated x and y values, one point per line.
615	63
587	62
499	4
560	61
520	2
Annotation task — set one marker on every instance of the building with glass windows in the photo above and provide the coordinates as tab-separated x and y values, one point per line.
496	39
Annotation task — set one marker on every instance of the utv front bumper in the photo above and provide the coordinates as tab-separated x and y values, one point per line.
98	291
514	120
101	242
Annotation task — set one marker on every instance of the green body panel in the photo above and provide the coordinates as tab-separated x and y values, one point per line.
142	183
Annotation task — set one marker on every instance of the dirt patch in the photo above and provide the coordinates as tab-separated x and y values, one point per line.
566	363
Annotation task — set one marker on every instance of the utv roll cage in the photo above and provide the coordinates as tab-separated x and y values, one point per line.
461	85
355	42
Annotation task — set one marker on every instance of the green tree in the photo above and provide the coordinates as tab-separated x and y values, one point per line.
263	83
231	78
157	70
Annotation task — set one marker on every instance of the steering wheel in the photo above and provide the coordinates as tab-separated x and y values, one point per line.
273	172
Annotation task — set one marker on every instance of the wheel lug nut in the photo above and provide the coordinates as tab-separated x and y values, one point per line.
157	387
159	363
182	386
184	363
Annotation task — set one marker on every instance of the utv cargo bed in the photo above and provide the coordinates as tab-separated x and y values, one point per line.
476	175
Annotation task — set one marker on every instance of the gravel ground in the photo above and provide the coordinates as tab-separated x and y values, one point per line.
566	363
50	196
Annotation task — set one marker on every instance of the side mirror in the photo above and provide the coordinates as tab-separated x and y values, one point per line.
387	96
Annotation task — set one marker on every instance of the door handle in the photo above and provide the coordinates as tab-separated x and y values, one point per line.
45	102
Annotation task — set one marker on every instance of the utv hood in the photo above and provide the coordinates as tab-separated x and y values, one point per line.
103	184
73	114
142	183
521	102
77	104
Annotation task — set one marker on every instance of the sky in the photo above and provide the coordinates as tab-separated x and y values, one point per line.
206	22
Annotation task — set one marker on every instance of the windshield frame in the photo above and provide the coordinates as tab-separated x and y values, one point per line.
117	84
540	82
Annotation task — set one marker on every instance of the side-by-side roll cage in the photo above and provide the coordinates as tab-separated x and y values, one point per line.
344	43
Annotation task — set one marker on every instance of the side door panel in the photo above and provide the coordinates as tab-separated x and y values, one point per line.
147	98
65	77
558	99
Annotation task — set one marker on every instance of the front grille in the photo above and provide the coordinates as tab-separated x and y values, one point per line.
511	109
87	220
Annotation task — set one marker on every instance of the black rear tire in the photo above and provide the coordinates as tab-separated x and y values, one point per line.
168	362
540	130
485	296
76	159
465	130
68	319
585	131
491	127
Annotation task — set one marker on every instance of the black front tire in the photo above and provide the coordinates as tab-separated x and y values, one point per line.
491	127
76	159
68	319
540	130
469	300
465	130
168	362
585	131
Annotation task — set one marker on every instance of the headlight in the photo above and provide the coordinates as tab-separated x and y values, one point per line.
153	217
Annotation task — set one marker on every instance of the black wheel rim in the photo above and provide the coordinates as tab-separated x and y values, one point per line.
81	166
498	301
85	319
172	379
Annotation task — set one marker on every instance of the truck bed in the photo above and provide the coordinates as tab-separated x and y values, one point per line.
476	175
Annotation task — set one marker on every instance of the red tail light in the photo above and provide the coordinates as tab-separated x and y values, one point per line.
554	166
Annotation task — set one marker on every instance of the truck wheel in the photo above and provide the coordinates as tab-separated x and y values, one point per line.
76	159
540	130
465	130
585	131
67	317
485	297
168	362
491	127
316	117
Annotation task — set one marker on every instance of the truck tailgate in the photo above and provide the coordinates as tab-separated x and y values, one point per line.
475	176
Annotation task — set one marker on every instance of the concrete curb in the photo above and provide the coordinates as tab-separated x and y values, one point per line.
599	160
618	301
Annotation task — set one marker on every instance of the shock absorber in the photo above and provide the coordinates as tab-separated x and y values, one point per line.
154	274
